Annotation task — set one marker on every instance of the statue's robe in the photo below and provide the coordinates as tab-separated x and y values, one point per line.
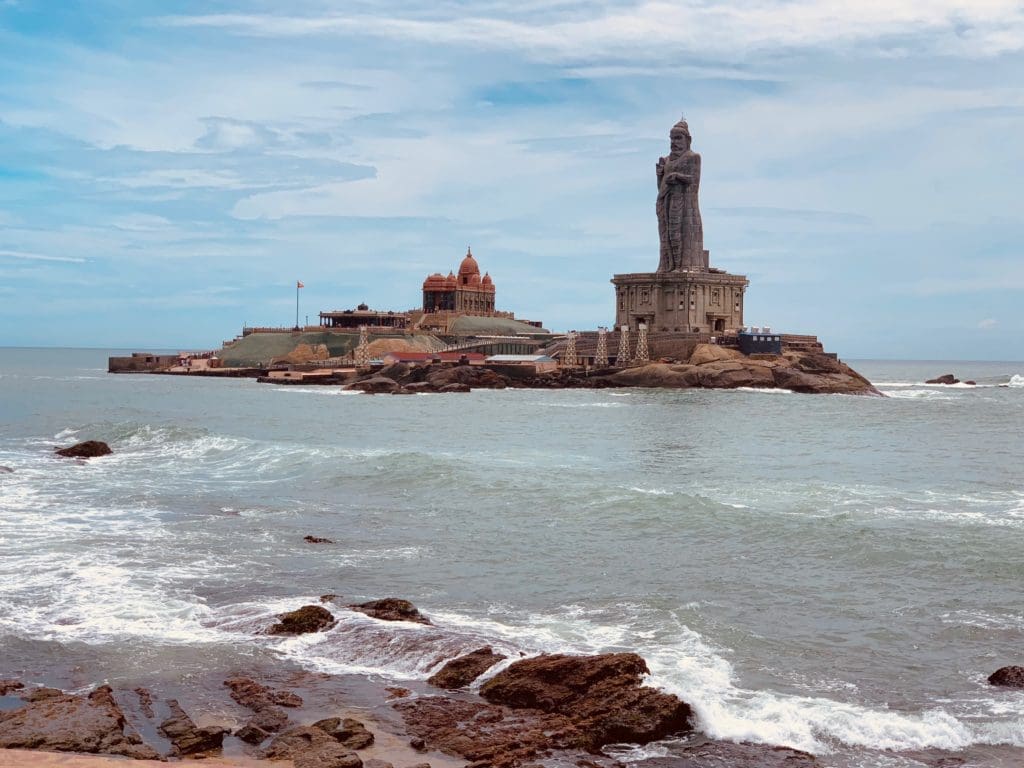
679	222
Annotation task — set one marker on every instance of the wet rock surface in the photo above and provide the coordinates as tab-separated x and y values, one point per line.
308	618
254	696
602	694
311	748
486	733
946	378
268	717
85	450
262	725
317	540
348	732
391	609
701	752
9	686
1008	677
60	722
145	702
189	739
549	703
460	672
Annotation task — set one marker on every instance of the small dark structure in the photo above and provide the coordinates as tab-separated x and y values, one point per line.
760	341
363	315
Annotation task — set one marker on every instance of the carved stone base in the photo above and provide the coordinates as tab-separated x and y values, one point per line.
680	302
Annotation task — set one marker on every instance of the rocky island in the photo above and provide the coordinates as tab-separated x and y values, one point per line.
681	326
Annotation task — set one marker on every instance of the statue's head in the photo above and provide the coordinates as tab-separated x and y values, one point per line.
680	137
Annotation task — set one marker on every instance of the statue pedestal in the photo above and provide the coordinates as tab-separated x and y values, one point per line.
700	301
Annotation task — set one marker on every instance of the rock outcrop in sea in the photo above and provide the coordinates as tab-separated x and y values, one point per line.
461	671
1008	677
553	702
391	609
85	450
308	618
709	367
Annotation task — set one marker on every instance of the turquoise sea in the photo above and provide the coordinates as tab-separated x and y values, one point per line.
839	574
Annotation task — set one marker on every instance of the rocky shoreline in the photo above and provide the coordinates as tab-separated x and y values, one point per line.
708	367
548	710
479	709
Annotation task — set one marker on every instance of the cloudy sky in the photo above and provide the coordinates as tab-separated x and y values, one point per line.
168	170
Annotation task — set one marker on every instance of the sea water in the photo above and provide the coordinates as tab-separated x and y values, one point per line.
834	573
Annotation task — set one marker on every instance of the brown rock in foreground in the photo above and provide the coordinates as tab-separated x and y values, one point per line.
603	695
252	695
269	718
308	618
266	721
311	748
187	738
63	722
486	733
348	732
7	686
702	752
460	672
391	609
1009	677
549	703
87	450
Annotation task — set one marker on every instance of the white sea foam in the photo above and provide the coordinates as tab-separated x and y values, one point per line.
321	390
580	405
958	516
975	618
767	390
1017	380
685	664
923	394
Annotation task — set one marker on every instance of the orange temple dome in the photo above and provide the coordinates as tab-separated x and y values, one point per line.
435	282
468	267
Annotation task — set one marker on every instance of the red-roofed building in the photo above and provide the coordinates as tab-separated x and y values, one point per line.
425	358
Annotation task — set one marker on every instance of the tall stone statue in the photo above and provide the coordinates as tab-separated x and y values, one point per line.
679	224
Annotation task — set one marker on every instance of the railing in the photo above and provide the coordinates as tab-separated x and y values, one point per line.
480	341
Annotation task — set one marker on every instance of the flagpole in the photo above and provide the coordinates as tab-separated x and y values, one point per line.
296	303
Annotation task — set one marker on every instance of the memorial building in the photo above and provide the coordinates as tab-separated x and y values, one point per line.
466	293
685	294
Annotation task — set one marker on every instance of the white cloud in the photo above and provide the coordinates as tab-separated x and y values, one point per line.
647	30
23	256
184	178
988	323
